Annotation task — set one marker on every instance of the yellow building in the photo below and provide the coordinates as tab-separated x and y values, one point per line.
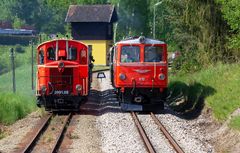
93	25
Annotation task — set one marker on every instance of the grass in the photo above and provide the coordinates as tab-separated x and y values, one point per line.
218	86
14	107
23	81
235	123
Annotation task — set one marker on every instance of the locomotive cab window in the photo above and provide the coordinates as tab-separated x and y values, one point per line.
72	53
130	54
153	54
41	57
51	53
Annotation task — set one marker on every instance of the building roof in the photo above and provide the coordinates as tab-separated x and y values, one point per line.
91	13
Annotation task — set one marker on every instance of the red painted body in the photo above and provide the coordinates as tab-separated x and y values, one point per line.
63	69
142	75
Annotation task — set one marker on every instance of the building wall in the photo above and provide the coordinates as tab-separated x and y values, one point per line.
100	50
92	31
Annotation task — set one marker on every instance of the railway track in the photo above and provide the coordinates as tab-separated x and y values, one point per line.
35	145
146	140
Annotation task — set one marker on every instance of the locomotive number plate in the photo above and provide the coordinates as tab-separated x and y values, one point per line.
61	92
141	79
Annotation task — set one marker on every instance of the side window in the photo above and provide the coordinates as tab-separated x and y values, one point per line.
72	53
153	54
51	53
130	54
41	57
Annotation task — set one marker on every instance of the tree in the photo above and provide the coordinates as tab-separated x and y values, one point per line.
230	10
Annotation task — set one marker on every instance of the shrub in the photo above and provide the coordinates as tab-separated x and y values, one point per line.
19	49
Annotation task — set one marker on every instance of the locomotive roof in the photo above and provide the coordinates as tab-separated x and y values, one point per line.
58	40
137	41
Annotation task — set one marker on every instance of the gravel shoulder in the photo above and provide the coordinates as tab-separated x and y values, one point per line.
17	132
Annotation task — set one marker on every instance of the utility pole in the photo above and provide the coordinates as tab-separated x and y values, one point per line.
154	17
31	43
13	69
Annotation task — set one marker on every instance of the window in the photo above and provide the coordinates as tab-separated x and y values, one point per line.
51	53
72	53
41	57
153	54
130	54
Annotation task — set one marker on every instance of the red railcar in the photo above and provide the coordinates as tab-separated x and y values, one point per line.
139	73
63	74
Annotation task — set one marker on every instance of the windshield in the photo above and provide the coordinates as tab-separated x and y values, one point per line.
153	54
130	54
72	53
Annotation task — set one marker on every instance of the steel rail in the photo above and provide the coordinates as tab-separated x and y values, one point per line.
174	144
143	134
30	145
61	134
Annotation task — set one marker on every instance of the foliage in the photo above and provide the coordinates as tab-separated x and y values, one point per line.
17	23
230	10
194	27
14	107
19	49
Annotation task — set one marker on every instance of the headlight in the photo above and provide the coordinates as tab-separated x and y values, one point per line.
43	89
161	76
78	87
122	76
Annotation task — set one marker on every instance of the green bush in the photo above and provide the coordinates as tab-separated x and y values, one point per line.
19	49
14	107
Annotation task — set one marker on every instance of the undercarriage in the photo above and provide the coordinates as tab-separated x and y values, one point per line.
142	99
60	103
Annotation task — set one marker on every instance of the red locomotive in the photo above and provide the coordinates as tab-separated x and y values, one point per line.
63	74
139	73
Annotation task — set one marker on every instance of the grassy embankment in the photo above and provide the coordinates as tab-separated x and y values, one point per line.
15	106
216	87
